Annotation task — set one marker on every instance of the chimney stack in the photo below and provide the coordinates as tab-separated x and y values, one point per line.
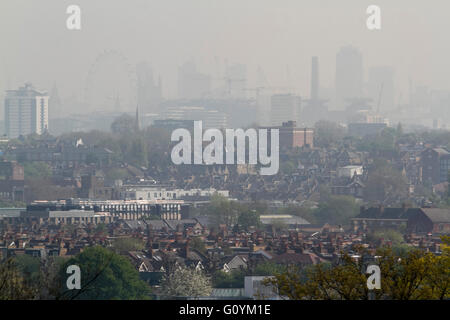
187	249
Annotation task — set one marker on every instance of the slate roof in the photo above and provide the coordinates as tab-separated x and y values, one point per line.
386	213
437	215
135	224
184	222
156	224
287	219
194	255
203	220
293	258
434	214
262	253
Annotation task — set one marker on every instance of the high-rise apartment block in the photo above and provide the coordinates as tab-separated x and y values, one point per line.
26	111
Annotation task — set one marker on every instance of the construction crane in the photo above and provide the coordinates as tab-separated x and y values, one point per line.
259	89
229	81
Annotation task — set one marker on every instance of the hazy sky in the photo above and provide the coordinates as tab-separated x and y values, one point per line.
274	34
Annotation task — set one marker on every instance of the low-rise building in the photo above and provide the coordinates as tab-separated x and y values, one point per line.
350	171
12	182
435	165
410	220
137	192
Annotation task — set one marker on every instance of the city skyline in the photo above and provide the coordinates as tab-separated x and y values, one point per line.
207	150
246	34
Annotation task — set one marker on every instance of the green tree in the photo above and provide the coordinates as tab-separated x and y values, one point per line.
42	276
385	183
29	267
232	279
249	218
337	210
269	269
412	275
124	124
288	167
13	285
382	144
387	235
222	211
327	134
101	228
105	275
198	244
36	169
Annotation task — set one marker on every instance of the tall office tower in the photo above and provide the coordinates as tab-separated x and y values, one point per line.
26	111
315	108
191	83
349	76
380	88
421	99
149	94
284	107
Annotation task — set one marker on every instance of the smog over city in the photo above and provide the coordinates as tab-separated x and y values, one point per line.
224	150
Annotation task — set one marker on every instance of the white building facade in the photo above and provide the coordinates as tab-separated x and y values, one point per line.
26	111
157	193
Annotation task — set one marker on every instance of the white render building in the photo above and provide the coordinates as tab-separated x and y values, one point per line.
350	171
158	193
26	111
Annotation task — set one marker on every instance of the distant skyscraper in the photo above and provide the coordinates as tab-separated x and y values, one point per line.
314	78
149	94
349	76
421	99
236	81
191	83
26	111
380	87
315	108
283	108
